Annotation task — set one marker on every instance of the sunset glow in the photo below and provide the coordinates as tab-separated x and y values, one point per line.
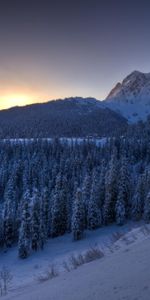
15	100
44	57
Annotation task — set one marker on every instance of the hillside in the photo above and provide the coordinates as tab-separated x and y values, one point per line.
121	275
73	117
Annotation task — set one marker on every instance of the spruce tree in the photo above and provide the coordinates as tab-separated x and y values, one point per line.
86	192
120	208
147	209
94	217
24	243
58	212
111	189
78	217
138	200
35	221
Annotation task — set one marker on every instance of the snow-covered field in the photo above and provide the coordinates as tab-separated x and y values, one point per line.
122	275
25	272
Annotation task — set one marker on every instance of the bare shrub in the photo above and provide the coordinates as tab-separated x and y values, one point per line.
66	266
134	236
49	274
92	254
145	230
5	280
127	240
109	247
76	261
116	236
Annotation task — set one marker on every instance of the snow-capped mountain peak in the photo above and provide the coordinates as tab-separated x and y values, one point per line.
131	97
136	85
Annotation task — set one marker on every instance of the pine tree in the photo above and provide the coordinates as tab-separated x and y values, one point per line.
45	203
94	217
35	221
138	200
86	192
124	191
9	213
111	191
147	209
102	185
78	218
24	243
120	208
124	182
58	212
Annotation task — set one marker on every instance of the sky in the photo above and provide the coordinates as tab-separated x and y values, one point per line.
62	48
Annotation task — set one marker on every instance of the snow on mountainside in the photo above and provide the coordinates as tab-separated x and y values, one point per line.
131	97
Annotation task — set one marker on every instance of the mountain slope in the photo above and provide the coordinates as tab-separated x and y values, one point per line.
76	117
131	98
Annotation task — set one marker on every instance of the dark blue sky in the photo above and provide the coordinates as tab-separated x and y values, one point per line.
51	49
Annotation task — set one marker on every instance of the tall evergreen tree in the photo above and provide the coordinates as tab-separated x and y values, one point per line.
10	213
78	218
58	212
111	191
86	192
94	217
24	242
147	209
138	200
35	221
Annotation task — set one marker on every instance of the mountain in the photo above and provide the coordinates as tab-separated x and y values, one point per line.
72	117
131	98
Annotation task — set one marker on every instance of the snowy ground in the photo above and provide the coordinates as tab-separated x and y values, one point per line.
122	275
56	252
69	141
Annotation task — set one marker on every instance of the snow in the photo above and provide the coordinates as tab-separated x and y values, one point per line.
56	251
134	112
69	141
131	98
122	274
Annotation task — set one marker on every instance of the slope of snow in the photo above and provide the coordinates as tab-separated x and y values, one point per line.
131	98
123	274
56	251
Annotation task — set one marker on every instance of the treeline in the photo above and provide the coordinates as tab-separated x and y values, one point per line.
50	188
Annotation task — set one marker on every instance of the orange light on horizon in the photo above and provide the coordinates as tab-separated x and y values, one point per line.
15	100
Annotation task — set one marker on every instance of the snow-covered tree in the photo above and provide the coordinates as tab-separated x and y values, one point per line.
58	212
147	209
111	190
86	192
94	216
138	200
10	213
123	196
35	221
78	217
24	242
120	208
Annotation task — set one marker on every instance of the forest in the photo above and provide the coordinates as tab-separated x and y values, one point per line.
49	188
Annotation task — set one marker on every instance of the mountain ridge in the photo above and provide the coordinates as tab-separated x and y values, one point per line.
71	117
